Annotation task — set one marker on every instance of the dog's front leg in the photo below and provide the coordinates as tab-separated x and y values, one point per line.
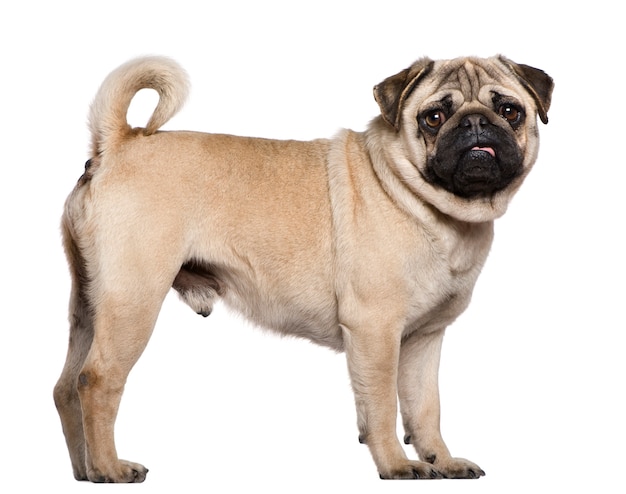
418	390
372	353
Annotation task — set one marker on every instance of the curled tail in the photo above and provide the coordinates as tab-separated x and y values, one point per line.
107	116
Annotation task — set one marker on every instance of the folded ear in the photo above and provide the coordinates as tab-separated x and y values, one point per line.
537	83
393	91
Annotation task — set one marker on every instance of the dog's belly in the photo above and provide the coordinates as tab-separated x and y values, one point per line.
314	318
304	306
259	234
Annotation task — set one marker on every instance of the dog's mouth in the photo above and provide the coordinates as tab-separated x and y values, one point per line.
475	169
488	150
477	172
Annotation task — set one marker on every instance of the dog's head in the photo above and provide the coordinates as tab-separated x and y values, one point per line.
468	130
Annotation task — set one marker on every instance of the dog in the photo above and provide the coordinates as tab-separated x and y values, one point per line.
368	243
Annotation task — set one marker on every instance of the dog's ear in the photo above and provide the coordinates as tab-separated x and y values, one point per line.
393	91
537	83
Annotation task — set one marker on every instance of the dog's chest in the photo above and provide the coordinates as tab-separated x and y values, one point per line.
445	272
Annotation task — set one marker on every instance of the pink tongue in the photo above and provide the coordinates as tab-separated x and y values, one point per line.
487	150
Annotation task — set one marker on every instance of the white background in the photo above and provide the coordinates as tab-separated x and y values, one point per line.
532	375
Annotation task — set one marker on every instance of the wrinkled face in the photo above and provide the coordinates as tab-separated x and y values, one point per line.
474	134
469	130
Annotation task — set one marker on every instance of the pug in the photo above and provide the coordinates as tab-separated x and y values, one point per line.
368	243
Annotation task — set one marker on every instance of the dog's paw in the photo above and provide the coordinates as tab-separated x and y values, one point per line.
459	468
125	473
412	470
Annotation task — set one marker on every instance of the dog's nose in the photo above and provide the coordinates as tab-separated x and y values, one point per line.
474	122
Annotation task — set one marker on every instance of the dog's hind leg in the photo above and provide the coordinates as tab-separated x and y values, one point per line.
81	335
124	318
129	280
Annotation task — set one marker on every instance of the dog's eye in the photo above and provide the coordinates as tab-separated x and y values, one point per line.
510	113
435	119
